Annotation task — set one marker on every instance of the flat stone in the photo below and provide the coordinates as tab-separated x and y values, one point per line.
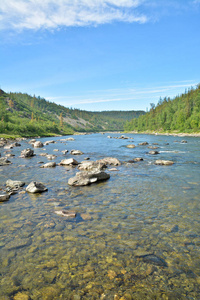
86	178
68	162
66	213
49	165
164	162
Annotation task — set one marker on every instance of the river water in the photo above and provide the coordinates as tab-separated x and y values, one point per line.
135	236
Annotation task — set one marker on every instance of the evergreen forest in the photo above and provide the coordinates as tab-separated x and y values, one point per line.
181	114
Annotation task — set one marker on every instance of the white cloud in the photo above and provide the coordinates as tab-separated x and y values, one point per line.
52	14
115	95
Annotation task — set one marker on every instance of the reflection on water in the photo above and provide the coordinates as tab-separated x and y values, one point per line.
136	236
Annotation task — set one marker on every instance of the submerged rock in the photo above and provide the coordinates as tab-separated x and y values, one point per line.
86	178
153	259
143	144
36	187
164	162
66	213
27	153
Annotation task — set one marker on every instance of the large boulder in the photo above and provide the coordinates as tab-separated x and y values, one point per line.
14	183
68	162
164	162
36	187
27	153
86	178
110	161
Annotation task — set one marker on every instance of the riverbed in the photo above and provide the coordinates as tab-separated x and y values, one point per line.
135	236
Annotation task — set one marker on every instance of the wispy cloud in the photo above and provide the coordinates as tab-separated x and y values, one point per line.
53	14
115	95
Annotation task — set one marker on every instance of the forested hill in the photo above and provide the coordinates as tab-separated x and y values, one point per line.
25	115
181	114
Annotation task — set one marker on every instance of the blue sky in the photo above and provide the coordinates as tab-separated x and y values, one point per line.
100	54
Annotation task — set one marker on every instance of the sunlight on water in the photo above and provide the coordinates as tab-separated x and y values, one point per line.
135	236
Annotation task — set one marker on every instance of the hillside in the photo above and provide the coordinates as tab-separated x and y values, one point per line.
181	114
25	115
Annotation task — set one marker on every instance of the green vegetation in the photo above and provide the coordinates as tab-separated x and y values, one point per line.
24	115
181	114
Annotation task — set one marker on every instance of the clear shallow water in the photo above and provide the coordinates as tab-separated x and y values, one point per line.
136	236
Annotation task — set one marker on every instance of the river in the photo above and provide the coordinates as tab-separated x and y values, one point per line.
135	236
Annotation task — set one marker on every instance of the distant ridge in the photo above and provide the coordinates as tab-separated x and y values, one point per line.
25	115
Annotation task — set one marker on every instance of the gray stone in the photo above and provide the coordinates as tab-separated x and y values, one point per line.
49	165
153	152
164	162
14	183
38	144
86	178
131	146
91	165
110	161
36	187
68	162
76	152
4	161
27	153
4	197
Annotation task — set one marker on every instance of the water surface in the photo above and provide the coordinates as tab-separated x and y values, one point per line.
136	236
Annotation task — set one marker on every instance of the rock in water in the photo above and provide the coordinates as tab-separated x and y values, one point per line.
4	197
68	162
14	183
4	161
66	213
38	144
27	153
110	161
36	187
164	162
76	152
49	165
86	178
153	259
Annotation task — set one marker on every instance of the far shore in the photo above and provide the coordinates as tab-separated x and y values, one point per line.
178	134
